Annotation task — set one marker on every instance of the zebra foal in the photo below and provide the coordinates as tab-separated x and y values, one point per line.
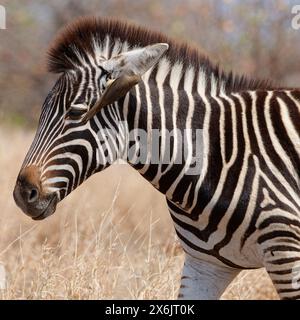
223	149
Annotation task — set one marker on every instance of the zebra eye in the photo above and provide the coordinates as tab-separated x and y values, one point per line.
76	111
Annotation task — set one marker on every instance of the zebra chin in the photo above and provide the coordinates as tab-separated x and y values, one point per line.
49	209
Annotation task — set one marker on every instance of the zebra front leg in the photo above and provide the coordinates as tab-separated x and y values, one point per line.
202	280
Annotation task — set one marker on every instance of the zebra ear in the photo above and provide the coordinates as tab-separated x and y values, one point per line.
135	62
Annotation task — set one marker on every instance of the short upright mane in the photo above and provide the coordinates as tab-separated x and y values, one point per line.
78	39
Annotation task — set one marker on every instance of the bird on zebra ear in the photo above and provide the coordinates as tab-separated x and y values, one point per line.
125	71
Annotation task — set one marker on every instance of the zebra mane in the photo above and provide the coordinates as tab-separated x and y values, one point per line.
79	39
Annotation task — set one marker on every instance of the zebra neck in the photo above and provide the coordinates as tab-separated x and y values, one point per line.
161	112
175	100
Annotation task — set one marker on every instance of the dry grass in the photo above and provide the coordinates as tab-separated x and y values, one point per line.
111	238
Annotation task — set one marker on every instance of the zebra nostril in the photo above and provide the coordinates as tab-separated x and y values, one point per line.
33	195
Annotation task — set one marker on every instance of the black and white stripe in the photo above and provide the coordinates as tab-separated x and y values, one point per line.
241	210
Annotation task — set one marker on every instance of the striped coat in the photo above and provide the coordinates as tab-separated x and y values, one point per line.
223	149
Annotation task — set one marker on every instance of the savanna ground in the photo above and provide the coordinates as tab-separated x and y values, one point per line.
111	238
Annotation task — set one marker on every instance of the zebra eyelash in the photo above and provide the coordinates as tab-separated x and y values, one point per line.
75	112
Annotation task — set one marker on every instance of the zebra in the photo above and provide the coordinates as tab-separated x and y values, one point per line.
239	210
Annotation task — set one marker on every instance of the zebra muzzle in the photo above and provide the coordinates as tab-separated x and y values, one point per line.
29	195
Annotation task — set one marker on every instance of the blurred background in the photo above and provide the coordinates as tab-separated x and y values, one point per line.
254	37
113	237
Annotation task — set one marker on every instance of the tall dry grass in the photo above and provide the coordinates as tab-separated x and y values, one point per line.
111	238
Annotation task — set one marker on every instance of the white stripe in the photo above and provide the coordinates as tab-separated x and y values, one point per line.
289	126
276	144
188	83
162	72
175	76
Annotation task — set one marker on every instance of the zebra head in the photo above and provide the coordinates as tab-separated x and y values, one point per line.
69	146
